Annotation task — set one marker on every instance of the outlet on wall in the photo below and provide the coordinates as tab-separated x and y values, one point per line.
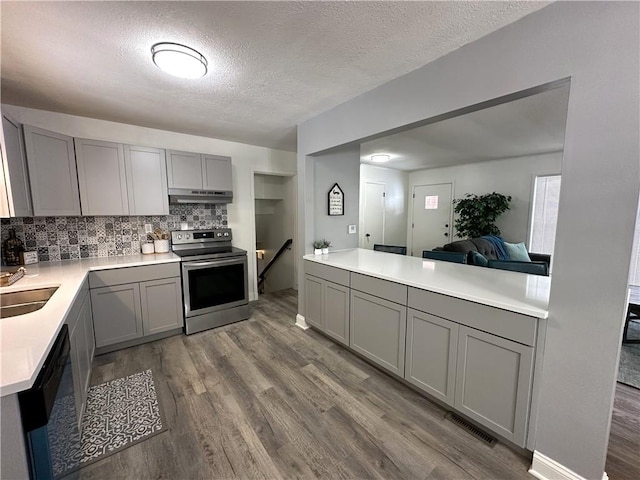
148	228
352	229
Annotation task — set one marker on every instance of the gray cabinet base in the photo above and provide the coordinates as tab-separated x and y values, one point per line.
137	341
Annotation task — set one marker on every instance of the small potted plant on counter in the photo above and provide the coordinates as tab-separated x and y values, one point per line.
325	246
317	247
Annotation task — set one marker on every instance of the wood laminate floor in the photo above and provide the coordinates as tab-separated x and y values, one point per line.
623	457
263	399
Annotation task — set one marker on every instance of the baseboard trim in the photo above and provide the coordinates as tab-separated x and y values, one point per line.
301	322
545	468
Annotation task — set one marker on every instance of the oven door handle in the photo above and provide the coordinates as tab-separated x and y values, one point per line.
213	263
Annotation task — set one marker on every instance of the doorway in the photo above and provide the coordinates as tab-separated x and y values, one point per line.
372	230
275	223
431	222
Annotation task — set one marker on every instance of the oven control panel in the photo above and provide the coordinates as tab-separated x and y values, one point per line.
201	236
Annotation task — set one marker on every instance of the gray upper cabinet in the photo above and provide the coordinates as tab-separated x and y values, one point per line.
184	170
102	177
187	170
146	170
52	173
432	347
493	382
216	173
16	173
378	329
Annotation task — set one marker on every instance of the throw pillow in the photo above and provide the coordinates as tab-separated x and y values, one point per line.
517	252
478	259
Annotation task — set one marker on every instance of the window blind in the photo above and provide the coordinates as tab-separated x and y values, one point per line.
544	217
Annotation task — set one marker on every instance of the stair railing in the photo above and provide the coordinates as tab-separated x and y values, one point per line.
262	275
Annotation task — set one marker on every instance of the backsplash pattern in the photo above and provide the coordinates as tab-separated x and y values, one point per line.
64	238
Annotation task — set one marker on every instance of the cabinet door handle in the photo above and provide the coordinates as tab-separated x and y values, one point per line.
446	234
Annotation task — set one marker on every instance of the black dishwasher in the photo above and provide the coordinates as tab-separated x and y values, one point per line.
48	413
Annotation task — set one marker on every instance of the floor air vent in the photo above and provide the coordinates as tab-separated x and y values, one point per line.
475	431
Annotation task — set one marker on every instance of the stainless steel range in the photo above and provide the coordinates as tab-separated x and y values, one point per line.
214	278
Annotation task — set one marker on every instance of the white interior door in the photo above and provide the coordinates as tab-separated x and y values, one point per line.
431	224
373	214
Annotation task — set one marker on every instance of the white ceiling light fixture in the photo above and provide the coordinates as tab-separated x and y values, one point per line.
380	158
179	60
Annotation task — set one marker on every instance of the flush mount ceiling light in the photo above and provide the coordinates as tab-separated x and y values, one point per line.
179	60
380	158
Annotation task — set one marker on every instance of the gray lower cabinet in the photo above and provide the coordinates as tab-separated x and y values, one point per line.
432	347
82	349
485	375
313	296
377	330
117	314
52	173
132	303
336	312
493	382
161	302
327	307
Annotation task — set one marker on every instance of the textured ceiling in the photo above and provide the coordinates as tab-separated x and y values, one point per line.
272	64
529	126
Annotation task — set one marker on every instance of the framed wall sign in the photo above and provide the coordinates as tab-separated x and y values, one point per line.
336	200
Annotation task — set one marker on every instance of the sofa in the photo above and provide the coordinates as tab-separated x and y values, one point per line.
485	248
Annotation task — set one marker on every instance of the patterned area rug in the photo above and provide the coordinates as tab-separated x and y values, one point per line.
118	414
629	369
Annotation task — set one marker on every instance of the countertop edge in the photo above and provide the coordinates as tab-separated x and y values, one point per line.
531	311
26	383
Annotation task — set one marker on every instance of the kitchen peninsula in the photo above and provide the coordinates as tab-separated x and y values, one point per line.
469	337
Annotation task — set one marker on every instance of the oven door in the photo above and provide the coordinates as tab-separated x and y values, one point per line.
213	285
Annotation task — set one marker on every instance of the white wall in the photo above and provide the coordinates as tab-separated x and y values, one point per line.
341	167
595	44
513	176
395	181
245	160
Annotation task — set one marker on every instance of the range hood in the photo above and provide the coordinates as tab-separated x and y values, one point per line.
187	195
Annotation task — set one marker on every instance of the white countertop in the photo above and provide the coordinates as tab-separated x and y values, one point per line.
512	291
25	340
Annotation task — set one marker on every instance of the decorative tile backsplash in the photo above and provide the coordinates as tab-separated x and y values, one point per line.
63	238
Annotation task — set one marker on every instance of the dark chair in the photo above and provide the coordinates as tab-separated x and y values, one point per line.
390	249
534	268
455	257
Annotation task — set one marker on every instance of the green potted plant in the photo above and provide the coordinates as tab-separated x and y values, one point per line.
317	247
476	214
325	246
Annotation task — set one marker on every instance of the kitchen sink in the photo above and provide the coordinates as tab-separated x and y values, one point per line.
24	301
